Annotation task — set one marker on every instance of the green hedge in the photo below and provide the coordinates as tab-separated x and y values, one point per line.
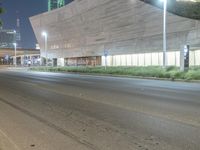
151	71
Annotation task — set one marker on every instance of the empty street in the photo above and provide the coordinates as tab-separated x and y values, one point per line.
59	111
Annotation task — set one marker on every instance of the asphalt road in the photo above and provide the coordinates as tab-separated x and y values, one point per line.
54	111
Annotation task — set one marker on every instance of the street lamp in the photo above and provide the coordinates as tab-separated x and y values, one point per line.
164	33
45	44
15	60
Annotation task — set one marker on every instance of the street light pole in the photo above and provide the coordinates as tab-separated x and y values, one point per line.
45	45
164	33
15	48
15	60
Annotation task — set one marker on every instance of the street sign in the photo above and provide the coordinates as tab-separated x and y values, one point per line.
186	56
105	53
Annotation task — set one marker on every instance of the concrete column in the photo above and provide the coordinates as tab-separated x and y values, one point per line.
111	60
126	60
194	58
22	60
175	58
120	60
131	59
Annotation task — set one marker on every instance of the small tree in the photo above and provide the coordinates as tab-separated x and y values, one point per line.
1	11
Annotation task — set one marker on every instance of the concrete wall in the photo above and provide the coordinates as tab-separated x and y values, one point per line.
150	59
87	27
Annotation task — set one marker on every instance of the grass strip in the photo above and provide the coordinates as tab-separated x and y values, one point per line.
151	71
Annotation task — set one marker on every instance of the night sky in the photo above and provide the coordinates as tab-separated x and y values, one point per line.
26	8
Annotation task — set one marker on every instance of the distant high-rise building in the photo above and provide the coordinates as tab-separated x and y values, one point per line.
53	4
18	34
7	38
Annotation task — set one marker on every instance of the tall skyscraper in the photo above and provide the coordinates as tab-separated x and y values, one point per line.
18	34
53	4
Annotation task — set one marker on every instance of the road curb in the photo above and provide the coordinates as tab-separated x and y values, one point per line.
139	77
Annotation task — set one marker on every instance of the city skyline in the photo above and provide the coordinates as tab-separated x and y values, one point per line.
25	9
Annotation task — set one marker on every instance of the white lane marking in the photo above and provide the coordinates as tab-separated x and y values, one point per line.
27	83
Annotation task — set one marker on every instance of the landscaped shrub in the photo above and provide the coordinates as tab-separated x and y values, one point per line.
150	71
192	75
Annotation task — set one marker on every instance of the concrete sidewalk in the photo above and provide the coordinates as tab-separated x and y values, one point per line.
7	67
4	66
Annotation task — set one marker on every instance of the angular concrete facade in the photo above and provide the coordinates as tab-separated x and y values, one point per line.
89	27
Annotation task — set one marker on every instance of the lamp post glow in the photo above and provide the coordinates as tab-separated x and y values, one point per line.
45	45
164	33
15	60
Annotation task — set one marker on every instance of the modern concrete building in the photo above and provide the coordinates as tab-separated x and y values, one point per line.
128	32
